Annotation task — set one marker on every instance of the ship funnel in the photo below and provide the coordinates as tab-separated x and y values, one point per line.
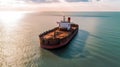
69	19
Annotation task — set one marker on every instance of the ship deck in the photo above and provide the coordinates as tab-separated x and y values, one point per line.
58	33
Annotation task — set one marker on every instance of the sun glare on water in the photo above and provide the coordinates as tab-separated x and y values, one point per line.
10	18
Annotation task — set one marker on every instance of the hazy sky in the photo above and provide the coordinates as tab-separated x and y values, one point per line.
49	1
65	5
72	0
52	1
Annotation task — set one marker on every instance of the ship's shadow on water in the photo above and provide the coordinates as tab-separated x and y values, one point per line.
75	49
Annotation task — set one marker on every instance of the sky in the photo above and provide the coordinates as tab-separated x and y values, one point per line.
61	5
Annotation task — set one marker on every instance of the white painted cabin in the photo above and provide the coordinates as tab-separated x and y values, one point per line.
65	25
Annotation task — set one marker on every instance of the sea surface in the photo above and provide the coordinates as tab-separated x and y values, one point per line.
97	43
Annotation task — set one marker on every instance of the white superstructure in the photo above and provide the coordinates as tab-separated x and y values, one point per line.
65	24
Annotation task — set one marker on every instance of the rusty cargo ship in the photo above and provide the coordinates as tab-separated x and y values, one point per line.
59	36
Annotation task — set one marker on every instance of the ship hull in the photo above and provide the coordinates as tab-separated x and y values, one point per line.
57	43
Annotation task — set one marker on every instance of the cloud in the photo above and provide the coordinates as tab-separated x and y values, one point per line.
77	0
51	1
67	5
43	1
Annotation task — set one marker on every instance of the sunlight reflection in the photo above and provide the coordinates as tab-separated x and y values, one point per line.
10	18
10	21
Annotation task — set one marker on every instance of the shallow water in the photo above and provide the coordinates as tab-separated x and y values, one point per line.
96	44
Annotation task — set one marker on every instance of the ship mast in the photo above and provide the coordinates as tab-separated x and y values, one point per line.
64	18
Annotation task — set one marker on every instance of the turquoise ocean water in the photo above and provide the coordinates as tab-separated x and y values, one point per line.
97	43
